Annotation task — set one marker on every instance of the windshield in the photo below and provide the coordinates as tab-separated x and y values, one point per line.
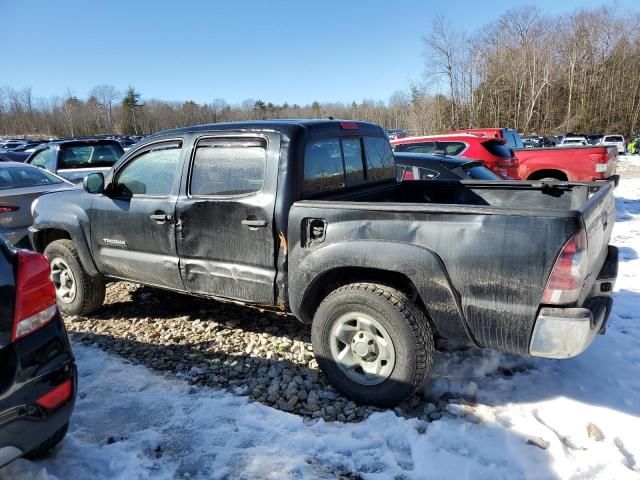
91	156
24	177
614	138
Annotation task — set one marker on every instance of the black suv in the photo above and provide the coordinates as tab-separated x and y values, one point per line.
38	377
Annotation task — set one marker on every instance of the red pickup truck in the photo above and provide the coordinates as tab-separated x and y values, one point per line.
575	164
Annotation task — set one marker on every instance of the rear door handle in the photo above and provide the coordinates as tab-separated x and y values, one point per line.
160	217
252	223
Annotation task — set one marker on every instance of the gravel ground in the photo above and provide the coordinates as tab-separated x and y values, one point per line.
248	351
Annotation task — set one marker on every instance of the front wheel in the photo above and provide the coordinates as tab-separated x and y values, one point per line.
77	292
373	343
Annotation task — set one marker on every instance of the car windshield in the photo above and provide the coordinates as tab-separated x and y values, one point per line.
24	177
90	156
613	138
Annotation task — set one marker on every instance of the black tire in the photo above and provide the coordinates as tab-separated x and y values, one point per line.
90	291
406	325
45	447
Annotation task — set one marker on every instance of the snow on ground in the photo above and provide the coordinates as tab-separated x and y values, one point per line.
628	162
131	423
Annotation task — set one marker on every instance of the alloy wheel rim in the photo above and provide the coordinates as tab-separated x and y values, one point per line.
64	280
362	348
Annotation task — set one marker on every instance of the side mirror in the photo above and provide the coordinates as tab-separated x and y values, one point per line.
93	183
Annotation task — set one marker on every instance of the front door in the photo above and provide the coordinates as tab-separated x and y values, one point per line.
225	213
133	226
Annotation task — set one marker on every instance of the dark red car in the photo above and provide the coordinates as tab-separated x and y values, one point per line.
493	152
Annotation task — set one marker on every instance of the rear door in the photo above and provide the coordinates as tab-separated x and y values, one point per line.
133	225
226	238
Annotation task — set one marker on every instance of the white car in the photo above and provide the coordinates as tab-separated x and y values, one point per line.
614	141
573	142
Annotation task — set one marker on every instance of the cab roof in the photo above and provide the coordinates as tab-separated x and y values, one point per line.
287	126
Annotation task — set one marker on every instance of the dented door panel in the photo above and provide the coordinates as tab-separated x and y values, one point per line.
226	241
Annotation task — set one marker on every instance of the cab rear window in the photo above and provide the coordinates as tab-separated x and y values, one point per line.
334	163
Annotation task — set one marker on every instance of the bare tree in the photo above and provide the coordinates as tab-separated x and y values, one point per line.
107	96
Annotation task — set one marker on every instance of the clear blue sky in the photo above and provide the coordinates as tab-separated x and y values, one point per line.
294	50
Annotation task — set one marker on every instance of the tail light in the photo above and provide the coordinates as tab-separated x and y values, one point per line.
348	126
568	274
601	161
408	174
36	295
8	209
57	396
502	162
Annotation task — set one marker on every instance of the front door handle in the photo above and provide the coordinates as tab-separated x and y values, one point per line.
160	217
254	223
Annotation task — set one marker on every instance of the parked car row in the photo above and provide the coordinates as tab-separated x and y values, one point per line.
308	218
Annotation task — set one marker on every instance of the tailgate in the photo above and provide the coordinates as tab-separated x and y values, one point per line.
598	214
612	161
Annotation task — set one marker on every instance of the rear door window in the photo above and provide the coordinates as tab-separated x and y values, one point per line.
228	166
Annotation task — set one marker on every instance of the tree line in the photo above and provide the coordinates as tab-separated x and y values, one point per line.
528	70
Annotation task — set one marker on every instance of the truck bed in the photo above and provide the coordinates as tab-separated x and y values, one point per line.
511	197
487	246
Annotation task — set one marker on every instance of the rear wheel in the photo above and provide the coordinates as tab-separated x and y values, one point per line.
373	343
77	292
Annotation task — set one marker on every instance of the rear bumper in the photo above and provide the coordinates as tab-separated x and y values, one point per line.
43	360
614	180
561	332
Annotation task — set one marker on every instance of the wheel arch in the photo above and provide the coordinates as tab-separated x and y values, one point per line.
548	173
414	270
46	233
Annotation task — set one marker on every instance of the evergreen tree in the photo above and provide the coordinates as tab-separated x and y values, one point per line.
130	103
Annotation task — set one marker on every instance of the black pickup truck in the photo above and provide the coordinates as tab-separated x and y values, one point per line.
306	216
